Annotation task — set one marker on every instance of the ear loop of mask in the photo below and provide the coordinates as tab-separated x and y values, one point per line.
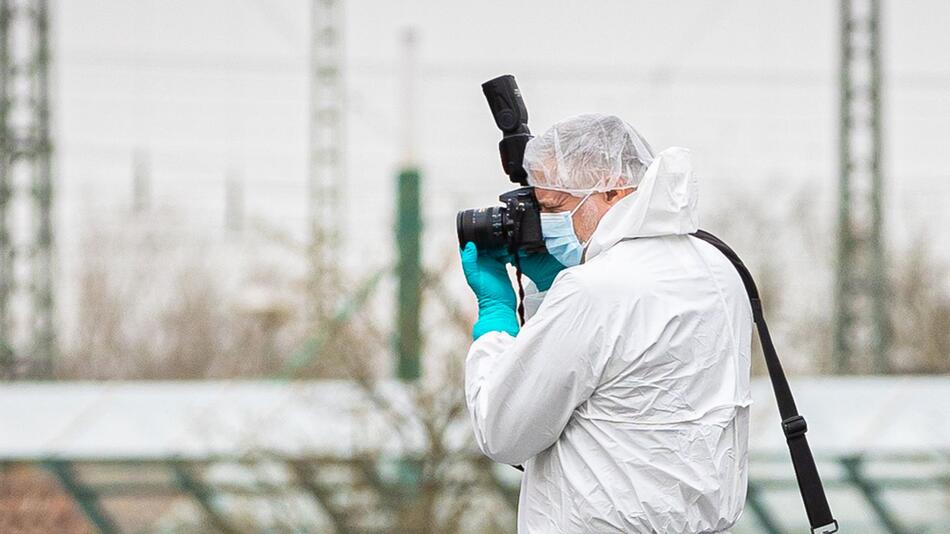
578	206
573	211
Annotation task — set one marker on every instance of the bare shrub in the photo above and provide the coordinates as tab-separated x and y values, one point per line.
790	248
151	311
921	311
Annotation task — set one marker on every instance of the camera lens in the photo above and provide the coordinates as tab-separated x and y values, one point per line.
482	226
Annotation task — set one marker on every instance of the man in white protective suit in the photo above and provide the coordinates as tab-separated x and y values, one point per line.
625	394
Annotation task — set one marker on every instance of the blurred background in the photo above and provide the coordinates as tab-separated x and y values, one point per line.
230	298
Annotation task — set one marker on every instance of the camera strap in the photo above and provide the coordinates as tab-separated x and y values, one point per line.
793	424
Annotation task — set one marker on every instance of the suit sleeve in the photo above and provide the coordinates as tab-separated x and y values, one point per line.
521	391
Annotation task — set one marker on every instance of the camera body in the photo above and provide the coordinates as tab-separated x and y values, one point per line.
514	226
517	224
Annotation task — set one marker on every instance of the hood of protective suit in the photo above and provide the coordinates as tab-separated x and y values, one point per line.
663	204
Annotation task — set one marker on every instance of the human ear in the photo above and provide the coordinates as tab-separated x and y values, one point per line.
613	196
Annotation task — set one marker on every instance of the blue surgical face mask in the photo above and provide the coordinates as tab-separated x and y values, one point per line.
559	237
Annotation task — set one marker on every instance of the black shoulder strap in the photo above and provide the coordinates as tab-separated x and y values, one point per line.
793	424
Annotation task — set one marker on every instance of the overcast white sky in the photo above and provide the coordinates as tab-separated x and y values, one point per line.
209	87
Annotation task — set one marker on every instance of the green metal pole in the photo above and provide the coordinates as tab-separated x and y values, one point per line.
408	368
409	272
203	494
854	472
87	499
322	497
756	502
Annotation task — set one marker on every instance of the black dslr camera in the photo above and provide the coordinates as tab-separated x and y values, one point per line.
517	224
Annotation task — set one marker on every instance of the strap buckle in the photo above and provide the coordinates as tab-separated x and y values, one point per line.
795	426
826	529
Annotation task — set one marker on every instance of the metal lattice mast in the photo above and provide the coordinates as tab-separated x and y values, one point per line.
7	277
25	170
861	323
326	150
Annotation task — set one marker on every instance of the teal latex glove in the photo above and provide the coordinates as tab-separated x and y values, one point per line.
486	274
541	268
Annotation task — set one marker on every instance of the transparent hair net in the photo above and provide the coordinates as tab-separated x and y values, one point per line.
587	153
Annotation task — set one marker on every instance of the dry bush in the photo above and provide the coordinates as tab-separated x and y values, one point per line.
790	247
195	335
785	249
921	311
148	310
453	489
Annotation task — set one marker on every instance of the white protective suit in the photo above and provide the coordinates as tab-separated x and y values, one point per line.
626	395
